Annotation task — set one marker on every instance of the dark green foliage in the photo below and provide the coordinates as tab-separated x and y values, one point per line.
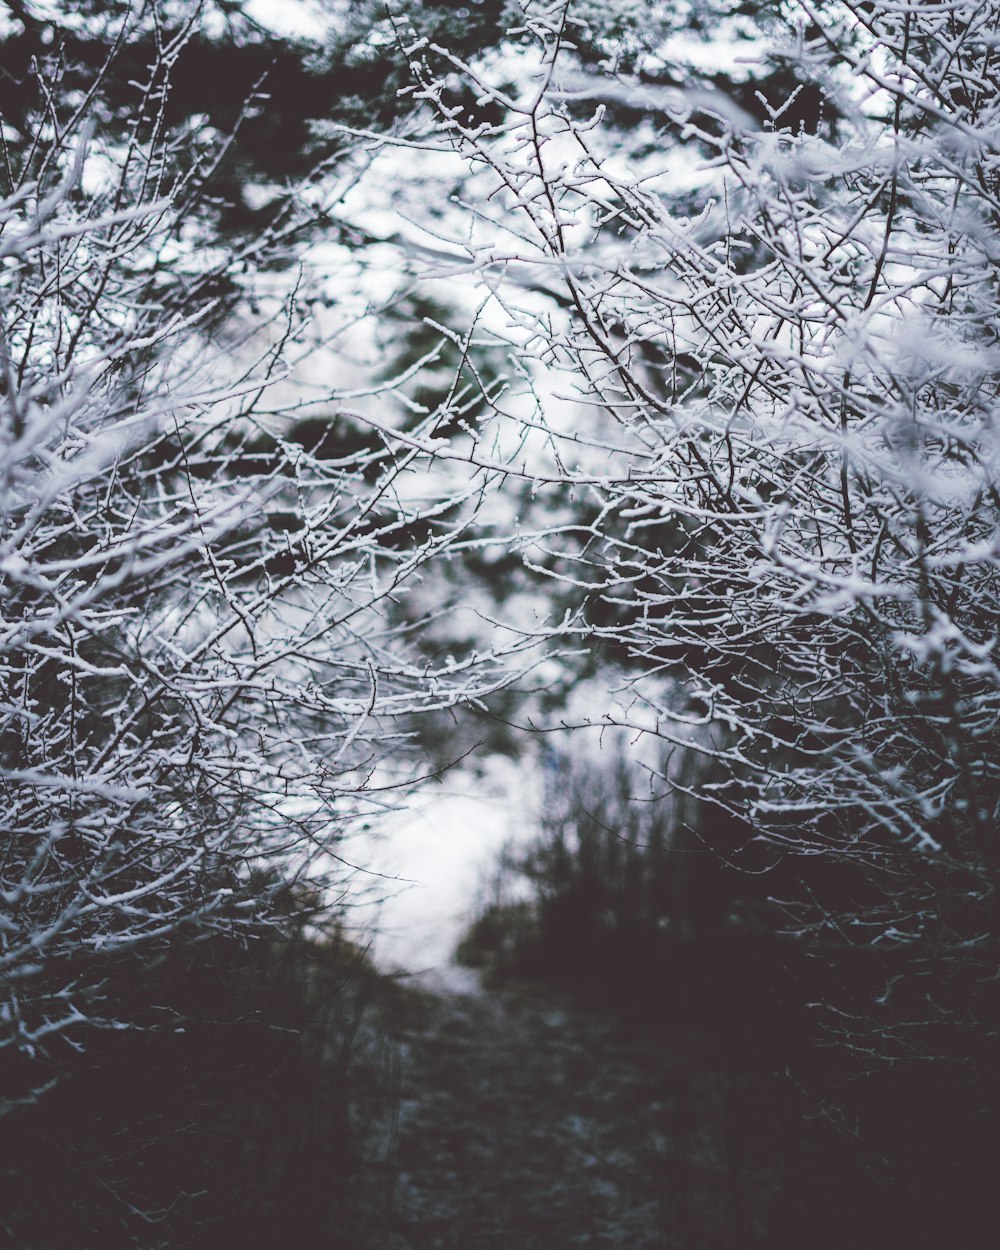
230	74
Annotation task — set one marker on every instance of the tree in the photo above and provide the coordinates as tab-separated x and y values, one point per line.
785	383
202	689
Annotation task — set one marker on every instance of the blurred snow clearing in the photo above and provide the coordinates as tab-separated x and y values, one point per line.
434	858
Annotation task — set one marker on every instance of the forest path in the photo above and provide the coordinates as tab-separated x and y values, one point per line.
525	1125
